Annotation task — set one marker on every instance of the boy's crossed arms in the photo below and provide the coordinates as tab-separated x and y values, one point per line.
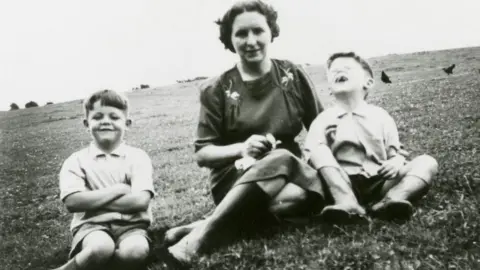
116	198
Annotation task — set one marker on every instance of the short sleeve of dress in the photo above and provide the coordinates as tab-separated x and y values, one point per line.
210	122
312	105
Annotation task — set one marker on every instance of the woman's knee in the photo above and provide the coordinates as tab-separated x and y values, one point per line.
133	249
280	157
292	192
291	200
100	247
282	154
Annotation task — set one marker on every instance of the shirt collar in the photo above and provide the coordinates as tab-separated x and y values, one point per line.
95	152
362	110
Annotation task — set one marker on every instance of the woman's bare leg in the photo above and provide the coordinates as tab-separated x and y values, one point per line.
243	198
175	234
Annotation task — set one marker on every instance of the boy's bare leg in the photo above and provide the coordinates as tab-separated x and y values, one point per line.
97	250
345	203
132	252
415	179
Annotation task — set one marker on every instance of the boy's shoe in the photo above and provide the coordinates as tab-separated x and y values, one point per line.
339	214
391	209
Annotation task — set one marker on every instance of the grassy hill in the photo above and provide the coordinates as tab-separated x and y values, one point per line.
435	114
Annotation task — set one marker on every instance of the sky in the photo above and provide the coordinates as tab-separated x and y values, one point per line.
57	50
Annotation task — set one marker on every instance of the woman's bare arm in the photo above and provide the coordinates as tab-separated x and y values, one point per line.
214	156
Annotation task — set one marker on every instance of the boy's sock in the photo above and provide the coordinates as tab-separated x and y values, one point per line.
409	188
396	203
70	265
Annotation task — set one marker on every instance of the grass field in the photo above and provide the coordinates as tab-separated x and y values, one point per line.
435	113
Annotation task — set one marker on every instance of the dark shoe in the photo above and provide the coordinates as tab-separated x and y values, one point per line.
390	209
337	214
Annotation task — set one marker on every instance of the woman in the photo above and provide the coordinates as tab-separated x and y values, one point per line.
258	96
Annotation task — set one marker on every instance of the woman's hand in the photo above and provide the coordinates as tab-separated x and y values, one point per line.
256	146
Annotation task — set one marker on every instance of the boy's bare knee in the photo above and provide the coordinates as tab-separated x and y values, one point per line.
134	248
100	247
429	162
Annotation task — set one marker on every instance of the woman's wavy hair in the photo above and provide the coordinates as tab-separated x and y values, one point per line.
226	22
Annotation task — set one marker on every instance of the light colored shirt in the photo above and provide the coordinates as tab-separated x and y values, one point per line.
359	140
92	169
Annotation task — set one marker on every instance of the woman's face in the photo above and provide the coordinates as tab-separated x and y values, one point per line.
251	36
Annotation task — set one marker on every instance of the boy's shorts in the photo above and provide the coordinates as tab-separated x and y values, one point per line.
367	190
118	231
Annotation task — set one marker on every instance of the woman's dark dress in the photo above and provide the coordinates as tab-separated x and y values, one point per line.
280	103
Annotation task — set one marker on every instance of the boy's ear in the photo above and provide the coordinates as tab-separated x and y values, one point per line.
128	122
85	123
369	83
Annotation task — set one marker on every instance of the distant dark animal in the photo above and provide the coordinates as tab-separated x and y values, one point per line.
478	70
385	78
449	70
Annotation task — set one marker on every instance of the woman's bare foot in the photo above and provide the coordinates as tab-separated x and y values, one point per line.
174	235
188	248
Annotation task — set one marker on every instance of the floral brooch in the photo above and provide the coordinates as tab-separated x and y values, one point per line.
231	94
287	76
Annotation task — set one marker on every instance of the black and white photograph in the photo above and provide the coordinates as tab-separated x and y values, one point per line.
239	134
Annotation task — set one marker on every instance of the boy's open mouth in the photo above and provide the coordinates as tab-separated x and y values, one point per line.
341	79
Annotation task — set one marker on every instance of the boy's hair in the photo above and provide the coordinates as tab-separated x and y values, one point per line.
107	98
226	22
353	55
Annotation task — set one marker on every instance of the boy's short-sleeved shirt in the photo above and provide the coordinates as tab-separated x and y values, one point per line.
359	140
92	169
